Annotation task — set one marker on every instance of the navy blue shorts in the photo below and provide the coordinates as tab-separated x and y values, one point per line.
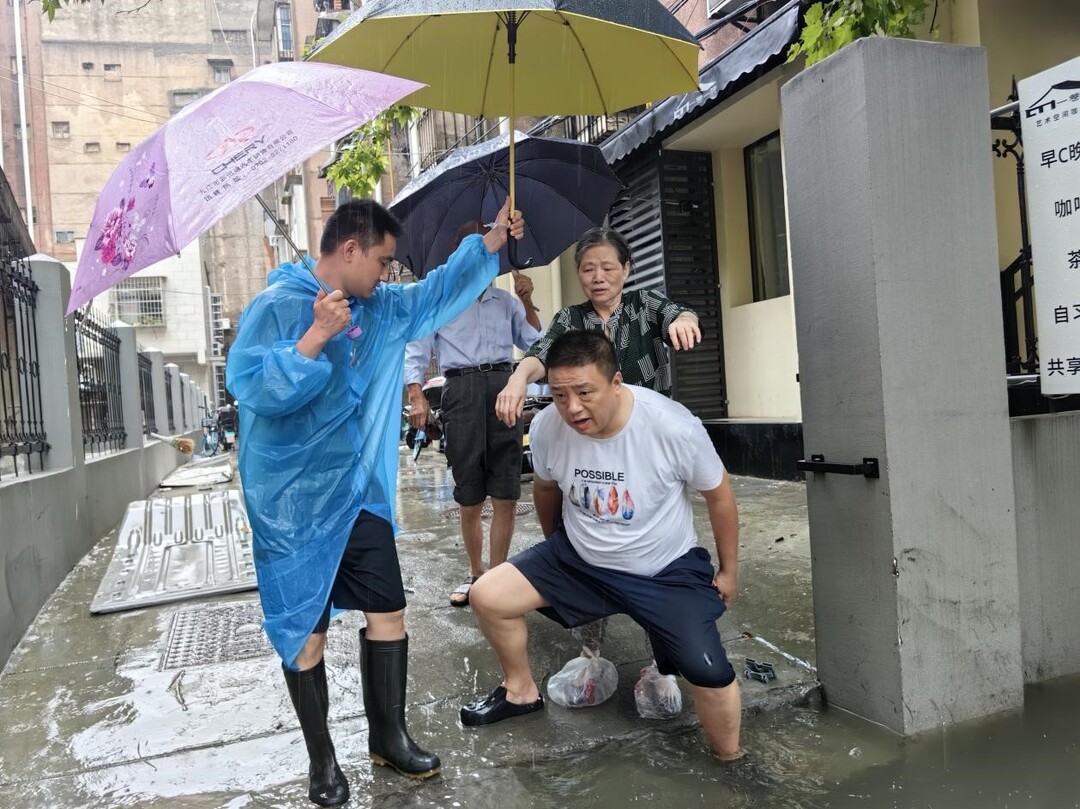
677	607
369	576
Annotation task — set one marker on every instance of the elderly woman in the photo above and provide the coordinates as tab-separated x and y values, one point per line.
640	323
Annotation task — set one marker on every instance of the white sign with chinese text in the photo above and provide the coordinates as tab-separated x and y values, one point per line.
1050	121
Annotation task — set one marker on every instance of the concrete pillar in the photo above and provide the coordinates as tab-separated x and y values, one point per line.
57	365
898	317
130	395
157	376
174	397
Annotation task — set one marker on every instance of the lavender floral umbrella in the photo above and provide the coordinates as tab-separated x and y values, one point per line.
217	153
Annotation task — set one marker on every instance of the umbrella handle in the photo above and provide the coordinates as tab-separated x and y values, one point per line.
511	255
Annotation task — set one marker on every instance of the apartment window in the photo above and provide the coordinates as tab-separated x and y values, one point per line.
768	225
284	29
92	147
19	132
65	236
61	129
181	98
123	146
222	69
139	301
112	72
87	65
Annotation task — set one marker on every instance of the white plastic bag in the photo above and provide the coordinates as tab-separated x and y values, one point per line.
584	681
657	695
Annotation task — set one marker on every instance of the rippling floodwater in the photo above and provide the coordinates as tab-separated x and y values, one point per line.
809	757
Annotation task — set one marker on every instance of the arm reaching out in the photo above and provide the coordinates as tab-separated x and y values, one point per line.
511	399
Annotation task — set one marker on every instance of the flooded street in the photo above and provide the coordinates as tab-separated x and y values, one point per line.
100	712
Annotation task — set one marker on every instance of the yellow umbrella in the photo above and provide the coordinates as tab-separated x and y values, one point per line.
577	57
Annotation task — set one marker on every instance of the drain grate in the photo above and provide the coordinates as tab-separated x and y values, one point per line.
519	509
203	635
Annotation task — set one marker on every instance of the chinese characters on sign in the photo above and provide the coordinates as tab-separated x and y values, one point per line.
1050	118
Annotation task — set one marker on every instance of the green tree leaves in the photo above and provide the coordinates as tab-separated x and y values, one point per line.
832	24
364	156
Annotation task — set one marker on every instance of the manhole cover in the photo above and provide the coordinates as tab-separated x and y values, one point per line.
203	635
519	509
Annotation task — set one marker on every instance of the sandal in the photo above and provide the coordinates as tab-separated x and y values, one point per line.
462	590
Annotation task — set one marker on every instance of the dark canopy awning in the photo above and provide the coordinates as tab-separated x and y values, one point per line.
753	55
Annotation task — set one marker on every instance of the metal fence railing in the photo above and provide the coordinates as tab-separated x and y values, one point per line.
22	429
146	394
183	408
585	128
169	401
97	358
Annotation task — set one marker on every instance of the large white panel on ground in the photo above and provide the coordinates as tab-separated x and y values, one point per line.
177	548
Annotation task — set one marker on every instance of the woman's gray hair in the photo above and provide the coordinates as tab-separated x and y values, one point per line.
597	236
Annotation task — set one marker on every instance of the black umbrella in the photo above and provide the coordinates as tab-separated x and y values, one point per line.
564	187
578	57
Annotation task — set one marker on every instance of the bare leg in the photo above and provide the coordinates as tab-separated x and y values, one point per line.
500	601
312	652
385	625
472	534
504	512
720	713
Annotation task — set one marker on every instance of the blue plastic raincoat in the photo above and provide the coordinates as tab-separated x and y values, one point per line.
319	438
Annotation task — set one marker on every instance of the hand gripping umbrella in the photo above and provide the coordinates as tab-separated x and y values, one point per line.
565	185
215	154
578	57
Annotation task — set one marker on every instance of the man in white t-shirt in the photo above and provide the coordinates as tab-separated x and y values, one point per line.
614	465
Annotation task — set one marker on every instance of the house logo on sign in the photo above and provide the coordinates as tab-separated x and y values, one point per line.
1056	103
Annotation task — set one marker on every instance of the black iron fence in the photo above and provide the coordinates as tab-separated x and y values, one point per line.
146	393
97	358
1017	286
183	407
585	128
439	133
22	430
169	400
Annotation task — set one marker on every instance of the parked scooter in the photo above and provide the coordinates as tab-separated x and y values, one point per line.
211	438
228	423
537	399
415	439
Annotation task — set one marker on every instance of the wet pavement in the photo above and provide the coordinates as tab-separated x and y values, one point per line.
115	710
183	705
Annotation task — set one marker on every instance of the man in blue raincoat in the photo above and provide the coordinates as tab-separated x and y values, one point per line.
319	379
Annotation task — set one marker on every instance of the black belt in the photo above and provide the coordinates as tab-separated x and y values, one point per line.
479	369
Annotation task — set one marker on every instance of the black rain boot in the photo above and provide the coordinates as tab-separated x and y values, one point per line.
307	689
384	665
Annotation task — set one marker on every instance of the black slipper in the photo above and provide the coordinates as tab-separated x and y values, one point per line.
495	707
462	589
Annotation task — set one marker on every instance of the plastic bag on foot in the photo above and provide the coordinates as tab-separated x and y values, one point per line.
657	695
585	681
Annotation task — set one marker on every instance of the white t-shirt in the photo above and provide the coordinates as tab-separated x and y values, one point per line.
626	499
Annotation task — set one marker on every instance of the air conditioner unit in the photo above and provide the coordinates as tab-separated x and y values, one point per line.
721	8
